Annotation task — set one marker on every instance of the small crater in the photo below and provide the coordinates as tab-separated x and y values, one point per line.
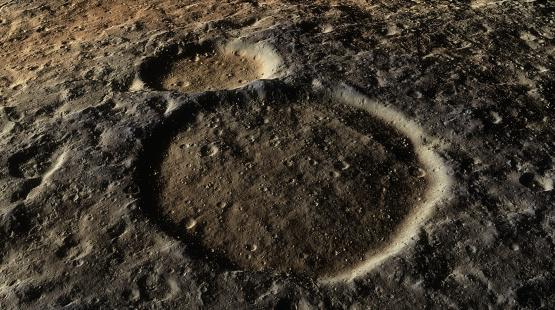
14	221
190	224
31	162
193	68
31	167
29	293
68	243
326	28
117	229
495	117
536	182
418	172
209	150
11	114
26	187
151	287
157	104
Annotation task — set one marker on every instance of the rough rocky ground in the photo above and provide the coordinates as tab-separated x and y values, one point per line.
75	230
287	187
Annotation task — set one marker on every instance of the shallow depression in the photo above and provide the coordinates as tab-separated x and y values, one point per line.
211	71
306	187
207	66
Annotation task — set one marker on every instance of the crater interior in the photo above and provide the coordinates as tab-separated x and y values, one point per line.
307	187
212	70
194	68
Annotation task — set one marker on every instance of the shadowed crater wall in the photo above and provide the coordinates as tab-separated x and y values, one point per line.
206	66
305	186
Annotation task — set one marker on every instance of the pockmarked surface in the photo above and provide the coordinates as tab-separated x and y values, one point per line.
291	187
173	154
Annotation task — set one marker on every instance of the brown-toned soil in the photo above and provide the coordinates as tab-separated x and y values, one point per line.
210	71
305	187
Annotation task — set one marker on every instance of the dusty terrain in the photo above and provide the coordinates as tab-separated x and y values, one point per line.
210	71
289	187
148	152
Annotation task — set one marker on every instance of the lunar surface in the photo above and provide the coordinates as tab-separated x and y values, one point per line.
210	71
277	154
309	188
205	67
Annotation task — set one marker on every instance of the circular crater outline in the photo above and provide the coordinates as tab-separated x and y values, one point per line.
437	191
152	69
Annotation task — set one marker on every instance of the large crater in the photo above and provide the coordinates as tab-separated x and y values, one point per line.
310	186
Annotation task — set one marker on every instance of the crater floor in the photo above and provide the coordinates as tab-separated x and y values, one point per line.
303	187
210	71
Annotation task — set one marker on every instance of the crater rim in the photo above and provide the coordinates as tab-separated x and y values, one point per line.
152	70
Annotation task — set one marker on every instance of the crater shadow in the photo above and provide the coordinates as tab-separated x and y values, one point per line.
207	66
306	186
146	177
